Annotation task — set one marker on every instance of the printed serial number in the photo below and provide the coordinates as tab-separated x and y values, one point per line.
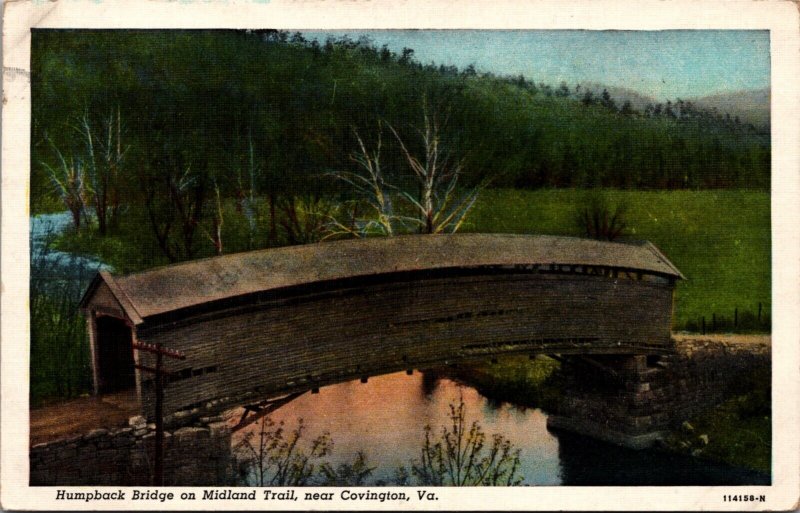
744	498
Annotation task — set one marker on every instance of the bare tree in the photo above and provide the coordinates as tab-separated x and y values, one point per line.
372	188
245	191
439	205
174	197
69	182
217	220
104	157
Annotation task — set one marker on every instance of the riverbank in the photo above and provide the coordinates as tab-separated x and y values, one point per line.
736	431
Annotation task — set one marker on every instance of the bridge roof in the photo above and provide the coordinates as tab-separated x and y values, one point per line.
169	288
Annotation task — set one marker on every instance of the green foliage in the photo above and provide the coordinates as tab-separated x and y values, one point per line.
305	219
60	363
130	248
518	380
719	239
459	456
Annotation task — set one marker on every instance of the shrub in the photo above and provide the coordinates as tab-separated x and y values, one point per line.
599	219
460	456
274	457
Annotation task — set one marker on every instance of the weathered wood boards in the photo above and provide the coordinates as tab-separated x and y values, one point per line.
390	315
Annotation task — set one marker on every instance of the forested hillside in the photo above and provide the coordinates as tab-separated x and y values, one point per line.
268	113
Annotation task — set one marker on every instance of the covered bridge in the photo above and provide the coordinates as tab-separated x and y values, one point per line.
277	321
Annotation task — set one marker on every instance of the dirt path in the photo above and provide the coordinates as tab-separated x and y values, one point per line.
734	339
750	343
79	416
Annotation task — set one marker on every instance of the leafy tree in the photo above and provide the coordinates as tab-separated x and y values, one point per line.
175	201
607	101
627	109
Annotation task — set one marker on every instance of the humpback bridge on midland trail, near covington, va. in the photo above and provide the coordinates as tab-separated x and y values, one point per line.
258	328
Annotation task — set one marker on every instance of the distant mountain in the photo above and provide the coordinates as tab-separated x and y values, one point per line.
752	106
620	95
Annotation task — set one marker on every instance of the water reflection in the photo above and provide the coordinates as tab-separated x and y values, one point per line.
386	418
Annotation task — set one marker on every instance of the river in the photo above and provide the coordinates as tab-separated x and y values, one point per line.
50	266
386	416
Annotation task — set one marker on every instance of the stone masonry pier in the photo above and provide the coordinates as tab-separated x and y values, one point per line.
635	400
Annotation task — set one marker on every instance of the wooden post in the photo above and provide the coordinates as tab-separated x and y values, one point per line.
91	325
159	456
759	312
160	351
713	322
736	317
704	325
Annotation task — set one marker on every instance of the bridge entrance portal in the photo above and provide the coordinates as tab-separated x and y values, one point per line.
114	355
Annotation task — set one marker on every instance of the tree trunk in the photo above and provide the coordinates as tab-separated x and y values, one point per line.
76	217
273	224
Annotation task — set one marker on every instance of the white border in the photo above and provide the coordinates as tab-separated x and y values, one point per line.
780	17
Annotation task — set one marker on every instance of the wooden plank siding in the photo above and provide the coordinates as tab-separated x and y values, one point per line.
275	347
268	322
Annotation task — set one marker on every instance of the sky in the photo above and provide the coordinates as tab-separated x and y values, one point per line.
662	64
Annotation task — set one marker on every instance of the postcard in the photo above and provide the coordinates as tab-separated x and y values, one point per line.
275	255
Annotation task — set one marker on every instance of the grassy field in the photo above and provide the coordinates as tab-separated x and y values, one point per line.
720	240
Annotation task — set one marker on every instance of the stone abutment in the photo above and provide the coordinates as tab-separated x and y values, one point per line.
636	400
194	455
